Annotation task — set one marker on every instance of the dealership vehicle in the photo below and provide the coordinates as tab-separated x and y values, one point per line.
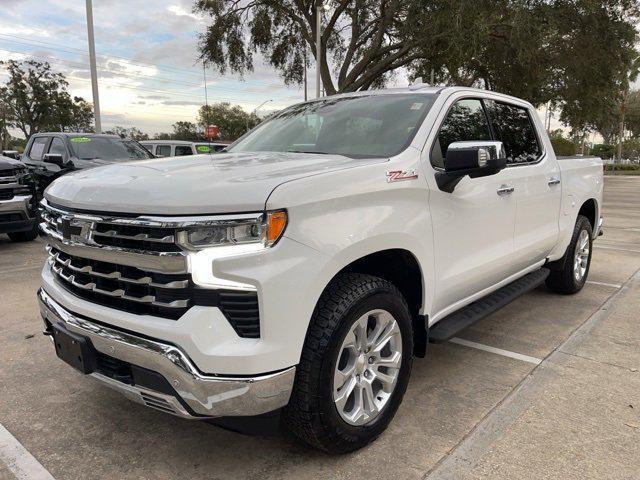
300	273
11	154
50	155
18	201
180	148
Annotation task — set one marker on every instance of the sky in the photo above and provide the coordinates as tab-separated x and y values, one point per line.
147	59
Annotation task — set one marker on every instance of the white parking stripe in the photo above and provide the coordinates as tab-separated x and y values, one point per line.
18	460
604	284
497	351
606	247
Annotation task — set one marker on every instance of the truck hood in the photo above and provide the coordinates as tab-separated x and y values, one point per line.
7	163
199	184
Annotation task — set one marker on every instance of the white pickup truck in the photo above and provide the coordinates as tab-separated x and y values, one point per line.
297	276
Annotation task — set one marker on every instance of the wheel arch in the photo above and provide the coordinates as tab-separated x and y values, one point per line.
589	209
400	267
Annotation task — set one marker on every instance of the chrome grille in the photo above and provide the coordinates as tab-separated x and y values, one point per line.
123	287
135	265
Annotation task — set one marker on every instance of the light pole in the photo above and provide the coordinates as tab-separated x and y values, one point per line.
319	8
255	110
94	70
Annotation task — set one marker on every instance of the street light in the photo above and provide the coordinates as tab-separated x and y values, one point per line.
319	8
255	110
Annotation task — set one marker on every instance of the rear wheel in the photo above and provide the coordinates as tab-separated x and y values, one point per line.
572	269
354	367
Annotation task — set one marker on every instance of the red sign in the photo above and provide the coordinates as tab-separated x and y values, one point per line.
211	131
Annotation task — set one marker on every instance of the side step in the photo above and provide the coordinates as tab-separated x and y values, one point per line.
450	325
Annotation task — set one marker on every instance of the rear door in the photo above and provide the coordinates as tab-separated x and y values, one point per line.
536	178
473	225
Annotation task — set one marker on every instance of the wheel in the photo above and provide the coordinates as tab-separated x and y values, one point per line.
24	236
572	269
354	367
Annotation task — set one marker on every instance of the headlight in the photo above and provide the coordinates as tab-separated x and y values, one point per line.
265	229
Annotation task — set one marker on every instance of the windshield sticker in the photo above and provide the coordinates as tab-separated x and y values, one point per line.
80	139
203	148
416	106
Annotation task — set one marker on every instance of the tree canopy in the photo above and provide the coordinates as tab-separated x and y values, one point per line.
232	120
35	99
574	54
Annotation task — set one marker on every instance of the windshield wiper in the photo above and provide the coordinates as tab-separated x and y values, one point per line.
309	151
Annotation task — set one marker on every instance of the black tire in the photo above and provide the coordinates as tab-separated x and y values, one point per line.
562	278
311	414
27	236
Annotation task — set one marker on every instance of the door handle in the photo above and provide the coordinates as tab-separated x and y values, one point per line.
505	190
553	181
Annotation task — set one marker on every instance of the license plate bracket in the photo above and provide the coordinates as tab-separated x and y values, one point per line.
74	349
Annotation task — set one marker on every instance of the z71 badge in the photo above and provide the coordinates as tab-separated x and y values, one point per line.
399	175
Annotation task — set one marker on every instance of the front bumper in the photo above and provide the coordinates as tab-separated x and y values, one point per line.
196	395
20	212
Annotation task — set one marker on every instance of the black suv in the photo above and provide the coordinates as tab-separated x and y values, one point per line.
50	155
18	201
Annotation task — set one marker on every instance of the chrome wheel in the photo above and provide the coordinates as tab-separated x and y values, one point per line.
581	257
368	367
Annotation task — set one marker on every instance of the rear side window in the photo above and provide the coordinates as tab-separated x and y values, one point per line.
513	126
465	121
183	150
37	148
163	150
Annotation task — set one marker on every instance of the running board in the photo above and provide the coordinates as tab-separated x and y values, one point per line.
450	325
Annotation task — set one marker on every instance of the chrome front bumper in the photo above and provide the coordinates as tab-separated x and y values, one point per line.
200	395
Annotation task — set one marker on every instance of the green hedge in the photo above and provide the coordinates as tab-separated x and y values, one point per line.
631	167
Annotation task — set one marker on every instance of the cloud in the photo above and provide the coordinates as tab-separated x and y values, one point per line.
181	102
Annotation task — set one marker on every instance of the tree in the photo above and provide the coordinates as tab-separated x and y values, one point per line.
36	99
363	40
232	120
128	132
534	49
603	150
562	145
186	131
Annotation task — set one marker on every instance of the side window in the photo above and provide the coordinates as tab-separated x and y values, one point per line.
465	121
37	148
513	126
183	150
57	146
163	150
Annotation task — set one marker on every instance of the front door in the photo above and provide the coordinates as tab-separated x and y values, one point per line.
473	225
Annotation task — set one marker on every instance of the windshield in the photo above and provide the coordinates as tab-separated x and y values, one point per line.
363	126
104	148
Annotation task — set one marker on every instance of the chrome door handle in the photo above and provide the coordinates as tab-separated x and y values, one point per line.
553	181
505	190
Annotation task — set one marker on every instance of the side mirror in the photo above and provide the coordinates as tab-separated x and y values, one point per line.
473	158
55	158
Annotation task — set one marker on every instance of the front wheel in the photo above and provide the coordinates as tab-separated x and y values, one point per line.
572	269
355	365
27	236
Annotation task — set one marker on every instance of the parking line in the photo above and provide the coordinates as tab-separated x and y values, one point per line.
604	284
606	247
497	351
18	460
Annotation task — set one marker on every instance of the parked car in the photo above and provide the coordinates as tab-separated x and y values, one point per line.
50	155
11	154
178	148
18	201
300	273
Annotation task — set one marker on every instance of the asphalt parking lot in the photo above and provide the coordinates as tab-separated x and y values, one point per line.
549	387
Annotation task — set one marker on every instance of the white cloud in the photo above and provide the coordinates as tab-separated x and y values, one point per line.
181	12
